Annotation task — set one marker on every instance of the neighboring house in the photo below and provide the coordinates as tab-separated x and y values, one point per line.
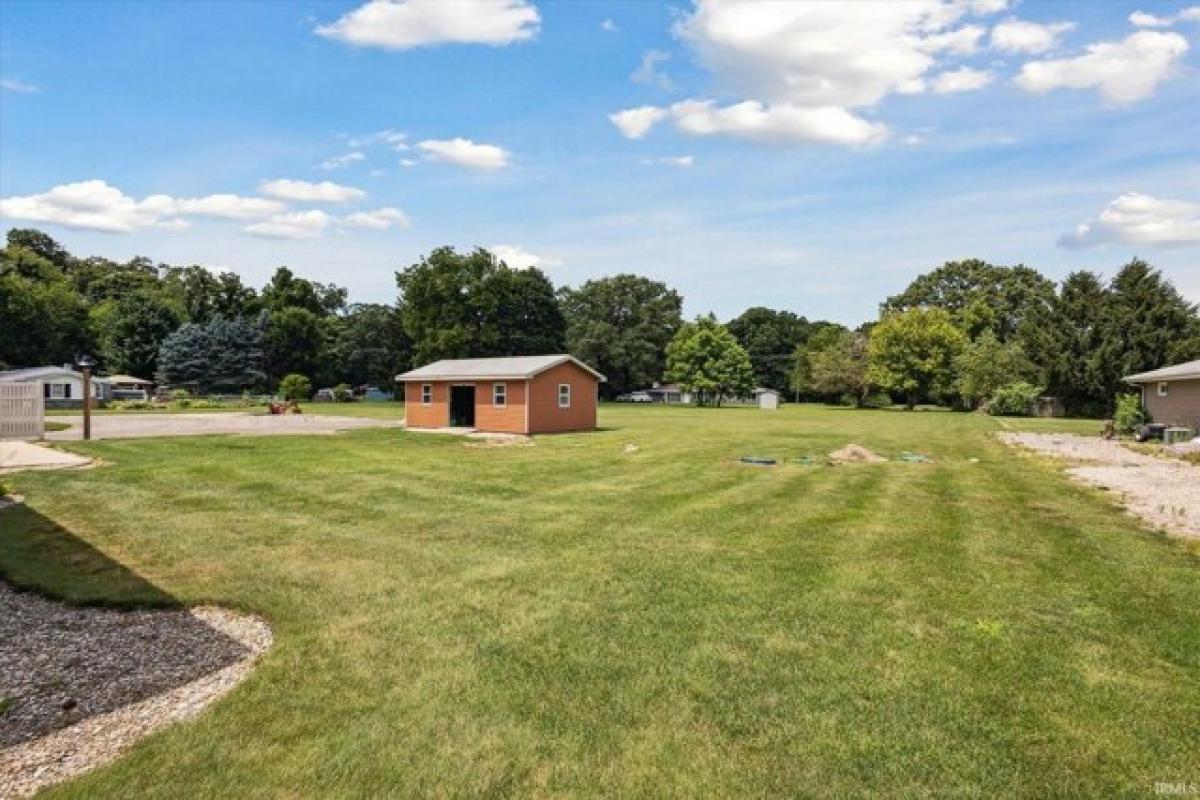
127	387
669	393
62	387
522	394
1171	394
767	398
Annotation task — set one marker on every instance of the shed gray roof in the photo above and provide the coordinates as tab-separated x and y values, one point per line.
1186	371
510	368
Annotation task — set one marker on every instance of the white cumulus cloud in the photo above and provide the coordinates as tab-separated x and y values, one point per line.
1144	19
1136	218
783	123
96	205
404	24
295	225
309	192
1022	36
804	70
378	220
634	123
1123	72
519	258
228	206
963	79
465	153
824	54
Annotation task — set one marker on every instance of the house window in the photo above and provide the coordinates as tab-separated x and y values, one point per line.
1162	388
426	394
57	391
499	395
564	395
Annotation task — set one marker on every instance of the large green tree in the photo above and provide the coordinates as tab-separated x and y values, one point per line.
461	306
979	296
1148	324
370	346
986	364
204	295
1093	335
43	320
296	340
285	290
704	358
769	337
912	353
131	329
840	367
622	325
1065	343
821	335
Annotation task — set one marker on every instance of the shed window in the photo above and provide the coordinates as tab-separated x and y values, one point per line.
499	395
426	393
564	395
1162	388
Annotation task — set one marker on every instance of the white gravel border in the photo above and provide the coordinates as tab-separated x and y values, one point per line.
97	740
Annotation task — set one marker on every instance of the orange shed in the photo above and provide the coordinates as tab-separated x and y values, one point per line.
520	394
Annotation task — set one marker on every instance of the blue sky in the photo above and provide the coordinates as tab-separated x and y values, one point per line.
808	156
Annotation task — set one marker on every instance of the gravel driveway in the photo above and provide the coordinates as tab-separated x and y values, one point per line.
134	426
1164	492
79	686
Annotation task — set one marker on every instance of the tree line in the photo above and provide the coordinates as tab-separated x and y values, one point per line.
957	334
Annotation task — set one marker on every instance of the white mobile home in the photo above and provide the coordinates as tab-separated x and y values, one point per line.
62	387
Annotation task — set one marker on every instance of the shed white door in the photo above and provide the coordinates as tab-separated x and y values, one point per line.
22	412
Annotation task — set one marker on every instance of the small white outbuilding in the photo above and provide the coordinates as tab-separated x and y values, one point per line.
767	398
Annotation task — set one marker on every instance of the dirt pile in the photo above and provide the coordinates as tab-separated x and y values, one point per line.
855	454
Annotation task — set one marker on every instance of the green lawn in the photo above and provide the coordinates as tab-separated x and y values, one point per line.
573	620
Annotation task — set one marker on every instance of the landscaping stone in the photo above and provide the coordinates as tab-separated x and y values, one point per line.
83	684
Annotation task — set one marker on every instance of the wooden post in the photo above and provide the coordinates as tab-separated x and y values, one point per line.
87	402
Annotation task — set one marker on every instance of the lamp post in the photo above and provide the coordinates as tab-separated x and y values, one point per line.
85	365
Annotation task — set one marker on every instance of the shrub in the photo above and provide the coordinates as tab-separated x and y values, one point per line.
877	400
180	394
342	393
1129	415
133	405
1014	400
295	387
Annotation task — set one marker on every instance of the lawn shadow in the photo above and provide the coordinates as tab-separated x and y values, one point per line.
39	554
65	661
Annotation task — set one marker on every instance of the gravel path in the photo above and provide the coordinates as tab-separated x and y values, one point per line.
78	686
134	426
1164	492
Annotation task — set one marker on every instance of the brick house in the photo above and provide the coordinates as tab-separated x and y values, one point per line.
521	394
1171	394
